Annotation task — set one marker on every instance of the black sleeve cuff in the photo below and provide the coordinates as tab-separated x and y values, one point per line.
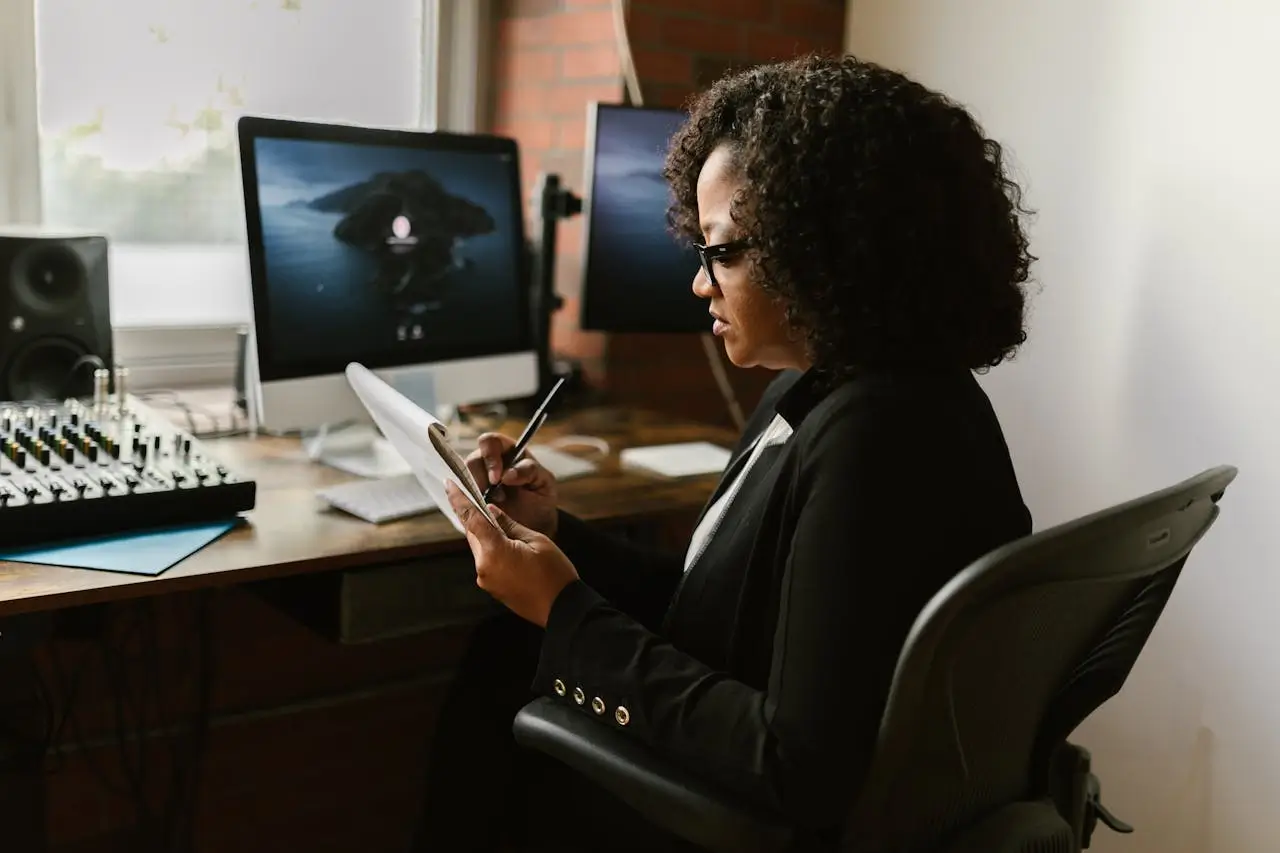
556	675
575	537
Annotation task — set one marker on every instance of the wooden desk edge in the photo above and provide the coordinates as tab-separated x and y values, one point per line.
287	486
113	587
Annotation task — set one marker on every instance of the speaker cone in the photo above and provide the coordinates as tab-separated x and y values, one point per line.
48	369
48	278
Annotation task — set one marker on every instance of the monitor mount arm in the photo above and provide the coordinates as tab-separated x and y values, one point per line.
554	203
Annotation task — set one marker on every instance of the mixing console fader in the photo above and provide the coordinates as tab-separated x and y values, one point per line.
78	468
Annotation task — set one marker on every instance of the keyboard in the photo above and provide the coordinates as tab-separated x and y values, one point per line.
379	501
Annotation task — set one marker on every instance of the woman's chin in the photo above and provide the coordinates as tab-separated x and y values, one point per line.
739	356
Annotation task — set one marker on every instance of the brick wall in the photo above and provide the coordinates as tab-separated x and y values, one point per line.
552	58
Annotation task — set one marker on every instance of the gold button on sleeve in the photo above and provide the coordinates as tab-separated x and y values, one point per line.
622	715
579	696
597	705
559	687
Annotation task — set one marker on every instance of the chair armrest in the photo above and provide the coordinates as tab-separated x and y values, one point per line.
665	795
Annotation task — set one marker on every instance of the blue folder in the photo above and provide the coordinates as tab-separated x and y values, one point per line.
144	553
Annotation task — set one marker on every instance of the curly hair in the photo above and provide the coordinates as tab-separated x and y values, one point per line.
878	212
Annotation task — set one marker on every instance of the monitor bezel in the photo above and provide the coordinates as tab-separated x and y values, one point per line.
589	302
249	129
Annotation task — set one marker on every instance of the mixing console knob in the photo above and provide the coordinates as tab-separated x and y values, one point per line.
92	452
19	457
6	423
42	453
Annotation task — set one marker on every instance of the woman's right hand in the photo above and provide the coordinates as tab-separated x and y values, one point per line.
527	491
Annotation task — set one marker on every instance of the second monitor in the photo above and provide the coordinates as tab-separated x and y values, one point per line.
401	250
637	277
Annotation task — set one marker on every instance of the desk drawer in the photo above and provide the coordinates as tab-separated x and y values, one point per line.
381	602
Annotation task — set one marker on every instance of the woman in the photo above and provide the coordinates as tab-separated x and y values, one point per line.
857	232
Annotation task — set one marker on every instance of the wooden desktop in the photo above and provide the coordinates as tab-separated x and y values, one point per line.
313	745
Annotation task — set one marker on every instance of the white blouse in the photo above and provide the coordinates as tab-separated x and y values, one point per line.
776	433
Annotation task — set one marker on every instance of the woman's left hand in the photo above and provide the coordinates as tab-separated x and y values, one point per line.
519	567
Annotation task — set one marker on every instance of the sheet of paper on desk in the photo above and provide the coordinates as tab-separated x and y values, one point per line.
145	553
686	459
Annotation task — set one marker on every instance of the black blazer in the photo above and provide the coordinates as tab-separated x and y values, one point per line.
767	667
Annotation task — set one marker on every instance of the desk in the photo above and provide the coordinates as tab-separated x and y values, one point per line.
314	746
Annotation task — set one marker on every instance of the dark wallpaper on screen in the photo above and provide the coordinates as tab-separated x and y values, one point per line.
375	252
638	276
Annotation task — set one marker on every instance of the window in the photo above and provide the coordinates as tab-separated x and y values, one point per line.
133	135
138	100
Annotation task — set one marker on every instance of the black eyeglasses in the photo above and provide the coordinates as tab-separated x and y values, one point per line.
718	252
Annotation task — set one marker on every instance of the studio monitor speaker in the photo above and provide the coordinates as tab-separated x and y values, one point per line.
55	311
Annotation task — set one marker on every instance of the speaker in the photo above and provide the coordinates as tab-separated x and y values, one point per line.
55	308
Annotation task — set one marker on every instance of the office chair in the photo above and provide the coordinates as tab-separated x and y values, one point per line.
998	670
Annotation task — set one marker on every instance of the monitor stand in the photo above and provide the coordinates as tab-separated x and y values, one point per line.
358	449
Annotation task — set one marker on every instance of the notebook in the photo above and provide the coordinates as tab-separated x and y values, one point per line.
420	439
392	498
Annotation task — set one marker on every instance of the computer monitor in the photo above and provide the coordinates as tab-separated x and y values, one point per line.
637	276
401	250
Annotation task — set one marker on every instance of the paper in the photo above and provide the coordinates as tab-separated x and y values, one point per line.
563	466
147	553
410	431
686	459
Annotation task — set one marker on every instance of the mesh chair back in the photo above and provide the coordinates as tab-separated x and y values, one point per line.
1012	655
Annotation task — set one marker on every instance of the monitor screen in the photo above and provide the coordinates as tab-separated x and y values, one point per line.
637	277
380	246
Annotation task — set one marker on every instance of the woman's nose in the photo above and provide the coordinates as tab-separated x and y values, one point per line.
702	286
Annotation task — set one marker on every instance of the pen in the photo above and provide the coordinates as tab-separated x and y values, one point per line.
513	455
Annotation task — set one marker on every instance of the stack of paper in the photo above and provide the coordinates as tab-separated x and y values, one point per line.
687	459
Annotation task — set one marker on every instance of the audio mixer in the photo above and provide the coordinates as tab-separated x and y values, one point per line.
107	465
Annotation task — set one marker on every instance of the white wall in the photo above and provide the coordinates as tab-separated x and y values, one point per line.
1148	132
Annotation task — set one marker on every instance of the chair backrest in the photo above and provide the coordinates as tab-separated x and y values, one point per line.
1007	659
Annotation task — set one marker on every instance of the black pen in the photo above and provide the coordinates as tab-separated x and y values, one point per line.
512	456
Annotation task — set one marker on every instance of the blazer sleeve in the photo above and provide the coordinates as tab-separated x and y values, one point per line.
637	580
874	539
